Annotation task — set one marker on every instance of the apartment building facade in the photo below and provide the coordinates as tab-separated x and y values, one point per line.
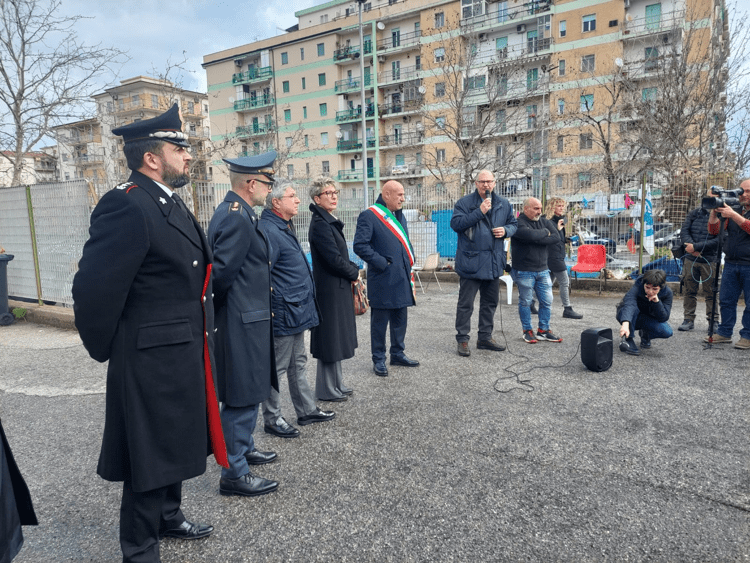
437	90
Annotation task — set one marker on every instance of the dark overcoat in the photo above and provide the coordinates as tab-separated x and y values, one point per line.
389	272
479	254
556	251
139	303
636	303
245	358
335	338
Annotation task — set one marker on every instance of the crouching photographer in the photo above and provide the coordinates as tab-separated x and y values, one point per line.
736	277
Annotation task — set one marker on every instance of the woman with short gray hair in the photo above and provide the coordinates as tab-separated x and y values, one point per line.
335	338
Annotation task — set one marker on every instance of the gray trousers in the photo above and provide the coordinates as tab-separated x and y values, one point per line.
564	282
489	294
329	381
291	361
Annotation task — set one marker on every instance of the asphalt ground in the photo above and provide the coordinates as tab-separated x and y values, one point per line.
522	455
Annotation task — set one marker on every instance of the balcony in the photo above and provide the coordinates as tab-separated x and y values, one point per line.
405	107
350	53
86	159
353	145
530	49
401	139
253	130
256	74
412	170
198	132
353	175
354	113
652	25
353	84
253	103
398	75
498	17
400	41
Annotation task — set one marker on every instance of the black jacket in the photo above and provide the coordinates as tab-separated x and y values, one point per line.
531	242
695	231
335	338
635	303
737	247
556	252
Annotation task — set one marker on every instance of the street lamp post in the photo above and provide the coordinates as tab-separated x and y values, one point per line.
364	106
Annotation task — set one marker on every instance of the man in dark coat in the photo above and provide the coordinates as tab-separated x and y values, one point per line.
646	308
701	249
483	221
294	308
335	338
244	337
142	300
382	240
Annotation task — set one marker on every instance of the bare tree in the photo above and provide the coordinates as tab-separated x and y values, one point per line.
737	108
47	74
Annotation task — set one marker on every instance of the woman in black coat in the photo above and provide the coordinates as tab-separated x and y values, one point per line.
335	338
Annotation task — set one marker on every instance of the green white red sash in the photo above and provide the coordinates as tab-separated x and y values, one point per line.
395	227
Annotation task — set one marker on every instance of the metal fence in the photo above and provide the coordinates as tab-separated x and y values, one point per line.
45	226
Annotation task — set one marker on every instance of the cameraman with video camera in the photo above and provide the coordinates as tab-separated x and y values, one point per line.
736	277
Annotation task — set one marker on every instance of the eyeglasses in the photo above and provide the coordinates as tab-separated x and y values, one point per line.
293	196
269	184
331	193
485	181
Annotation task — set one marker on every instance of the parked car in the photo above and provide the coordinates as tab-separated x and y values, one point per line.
667	240
659	229
590	238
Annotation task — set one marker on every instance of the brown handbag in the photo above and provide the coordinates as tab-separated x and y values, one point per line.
359	292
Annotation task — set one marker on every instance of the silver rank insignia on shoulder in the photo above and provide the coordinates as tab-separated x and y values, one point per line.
234	207
163	201
124	186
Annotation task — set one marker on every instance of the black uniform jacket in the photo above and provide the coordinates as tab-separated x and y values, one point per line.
335	338
138	303
245	356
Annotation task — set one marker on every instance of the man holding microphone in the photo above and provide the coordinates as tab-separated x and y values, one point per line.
483	221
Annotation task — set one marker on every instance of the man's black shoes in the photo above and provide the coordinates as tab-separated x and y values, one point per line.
188	531
380	369
645	340
317	416
281	428
686	325
628	346
247	486
260	458
403	361
569	313
490	345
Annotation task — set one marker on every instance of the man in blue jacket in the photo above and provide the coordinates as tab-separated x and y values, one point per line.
646	308
483	221
293	305
382	240
245	361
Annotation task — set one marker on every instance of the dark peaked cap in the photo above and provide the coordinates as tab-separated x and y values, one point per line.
260	165
165	127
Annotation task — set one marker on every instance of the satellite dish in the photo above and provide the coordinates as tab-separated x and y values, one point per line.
339	134
231	100
381	26
618	62
422	89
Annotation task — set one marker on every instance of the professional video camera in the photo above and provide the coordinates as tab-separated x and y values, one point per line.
722	197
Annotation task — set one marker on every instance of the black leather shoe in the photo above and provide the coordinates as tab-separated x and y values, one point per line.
403	361
645	340
282	429
335	399
247	486
259	458
317	416
686	325
489	345
628	346
380	369
188	531
346	390
569	313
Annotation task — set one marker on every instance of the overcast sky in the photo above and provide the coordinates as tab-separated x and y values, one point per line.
155	32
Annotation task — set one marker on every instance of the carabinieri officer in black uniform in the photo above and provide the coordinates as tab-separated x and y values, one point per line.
142	300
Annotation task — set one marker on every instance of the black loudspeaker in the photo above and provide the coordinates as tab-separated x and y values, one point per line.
596	348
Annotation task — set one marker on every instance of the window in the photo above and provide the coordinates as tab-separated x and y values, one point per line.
418	62
285	58
304	83
290	170
588	63
304	112
321	49
324	18
136	100
502	84
475	82
560	143
285	86
154	101
584	181
440	122
322	79
561	68
559	181
307	141
302	53
560	106
648	94
326	167
471	8
440	155
532	78
288	141
500	119
110	107
439	54
396	37
500	154
324	139
589	23
586	141
531	116
587	102
501	46
563	28
439	89
651	56
439	20
205	109
323	110
287	115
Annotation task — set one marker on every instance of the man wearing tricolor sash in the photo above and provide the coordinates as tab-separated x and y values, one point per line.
382	240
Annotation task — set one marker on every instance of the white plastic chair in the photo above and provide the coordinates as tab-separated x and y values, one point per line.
430	265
